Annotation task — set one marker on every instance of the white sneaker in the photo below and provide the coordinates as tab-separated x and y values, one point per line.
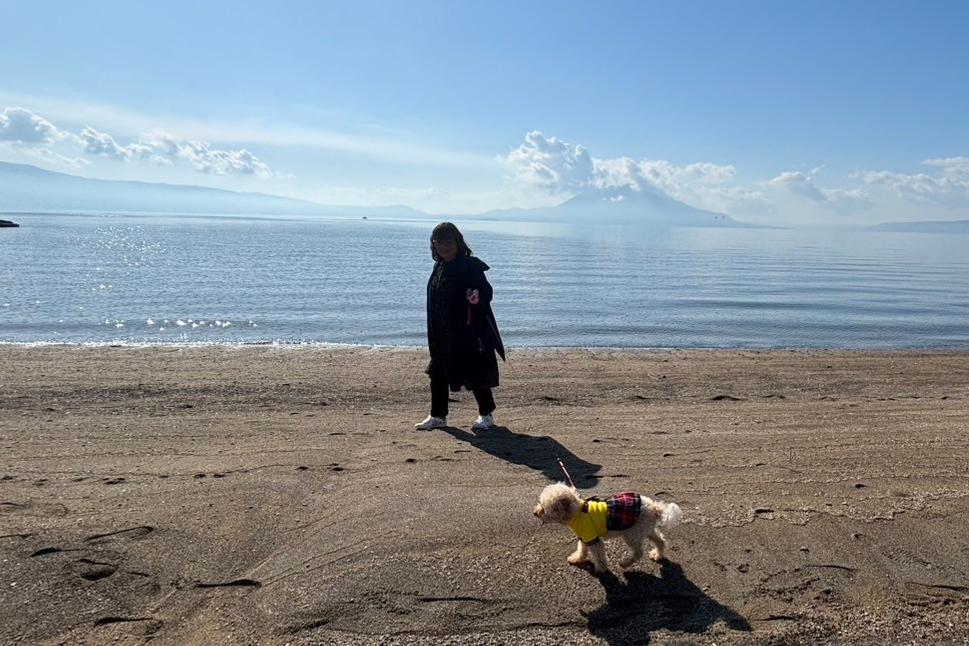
431	423
483	422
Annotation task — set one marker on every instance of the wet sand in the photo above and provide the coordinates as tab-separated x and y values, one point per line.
282	496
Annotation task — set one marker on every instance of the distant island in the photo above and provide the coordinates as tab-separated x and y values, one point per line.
8	223
931	226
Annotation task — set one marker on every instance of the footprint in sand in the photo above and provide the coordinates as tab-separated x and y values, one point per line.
936	593
144	626
44	551
815	582
237	583
127	534
33	508
96	570
89	569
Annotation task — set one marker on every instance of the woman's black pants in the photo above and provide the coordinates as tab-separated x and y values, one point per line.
440	392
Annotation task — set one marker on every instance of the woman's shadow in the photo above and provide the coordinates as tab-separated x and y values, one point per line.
540	453
643	603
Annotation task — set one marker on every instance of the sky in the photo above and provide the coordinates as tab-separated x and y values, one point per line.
824	113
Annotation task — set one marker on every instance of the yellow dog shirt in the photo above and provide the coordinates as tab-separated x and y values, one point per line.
589	523
596	517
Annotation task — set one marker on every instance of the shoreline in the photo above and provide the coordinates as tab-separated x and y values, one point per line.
240	494
332	345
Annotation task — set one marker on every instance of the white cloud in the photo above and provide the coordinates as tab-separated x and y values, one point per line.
800	184
950	186
20	125
950	164
207	159
626	172
848	200
544	170
400	149
559	168
551	165
736	200
660	175
165	149
803	185
101	143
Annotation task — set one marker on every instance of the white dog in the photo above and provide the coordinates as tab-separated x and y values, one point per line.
626	514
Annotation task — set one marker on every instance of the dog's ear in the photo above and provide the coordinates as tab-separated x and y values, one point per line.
561	509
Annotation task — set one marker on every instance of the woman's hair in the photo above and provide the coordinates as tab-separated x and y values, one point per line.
447	231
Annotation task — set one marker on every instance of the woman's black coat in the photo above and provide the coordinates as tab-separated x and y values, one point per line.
463	338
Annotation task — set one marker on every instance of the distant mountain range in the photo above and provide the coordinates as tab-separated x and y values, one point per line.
621	204
931	226
25	188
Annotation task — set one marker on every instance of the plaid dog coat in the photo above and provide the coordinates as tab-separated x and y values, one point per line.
596	517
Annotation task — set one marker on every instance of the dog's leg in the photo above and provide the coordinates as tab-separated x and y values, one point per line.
580	555
656	553
600	562
635	542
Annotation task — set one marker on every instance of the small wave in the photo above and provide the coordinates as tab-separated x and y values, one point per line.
277	343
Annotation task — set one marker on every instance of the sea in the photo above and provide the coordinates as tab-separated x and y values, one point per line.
109	279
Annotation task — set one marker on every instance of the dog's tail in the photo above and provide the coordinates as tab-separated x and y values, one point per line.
671	515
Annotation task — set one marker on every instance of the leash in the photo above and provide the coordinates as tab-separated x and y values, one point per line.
566	472
472	298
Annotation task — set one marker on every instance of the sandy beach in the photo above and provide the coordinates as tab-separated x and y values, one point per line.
270	495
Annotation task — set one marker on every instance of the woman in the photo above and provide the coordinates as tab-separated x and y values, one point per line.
461	330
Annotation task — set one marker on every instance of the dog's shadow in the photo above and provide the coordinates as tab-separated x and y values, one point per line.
541	453
641	603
